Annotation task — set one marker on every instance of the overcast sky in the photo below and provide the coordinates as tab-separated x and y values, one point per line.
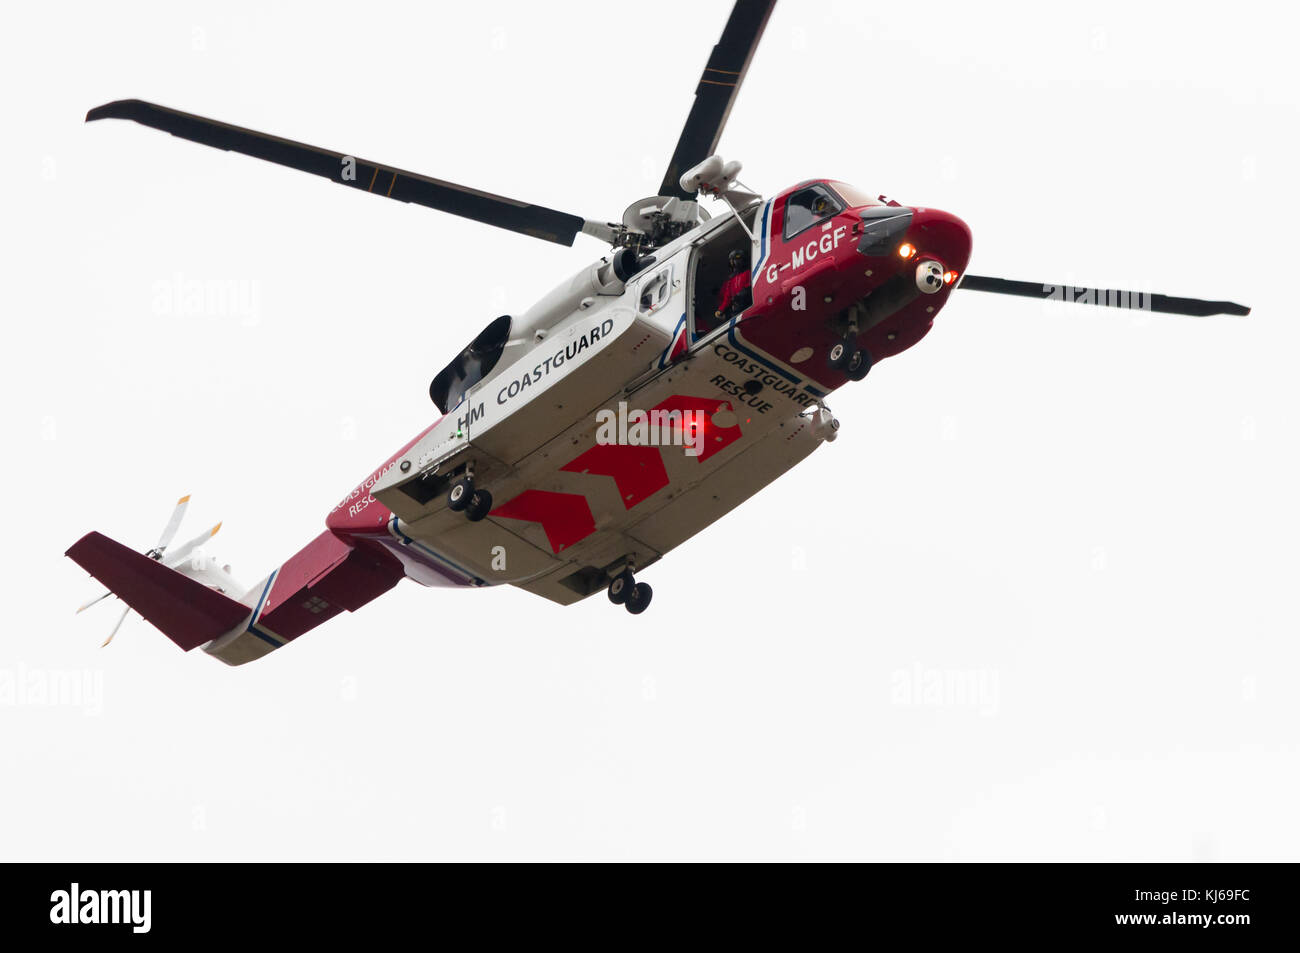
1037	602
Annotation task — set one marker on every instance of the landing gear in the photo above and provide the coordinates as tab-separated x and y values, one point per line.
480	504
858	364
625	591
459	495
462	497
638	600
840	353
621	587
846	356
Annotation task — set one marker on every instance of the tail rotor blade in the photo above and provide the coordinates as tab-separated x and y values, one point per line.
173	524
171	560
120	619
86	605
1105	297
178	556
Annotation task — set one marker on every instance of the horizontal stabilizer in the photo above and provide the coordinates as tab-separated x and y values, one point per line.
187	612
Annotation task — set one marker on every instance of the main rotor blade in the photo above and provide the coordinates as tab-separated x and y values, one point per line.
1109	298
178	556
534	220
173	524
717	91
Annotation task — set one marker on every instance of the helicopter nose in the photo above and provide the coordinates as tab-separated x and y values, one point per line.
939	242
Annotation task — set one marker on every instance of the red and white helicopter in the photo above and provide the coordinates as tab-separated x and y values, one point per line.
639	401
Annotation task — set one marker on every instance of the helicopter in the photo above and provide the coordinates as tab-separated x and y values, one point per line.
642	399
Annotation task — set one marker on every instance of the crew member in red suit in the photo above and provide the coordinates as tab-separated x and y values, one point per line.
737	295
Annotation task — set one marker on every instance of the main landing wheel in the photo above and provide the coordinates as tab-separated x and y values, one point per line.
621	587
480	504
639	598
459	495
839	354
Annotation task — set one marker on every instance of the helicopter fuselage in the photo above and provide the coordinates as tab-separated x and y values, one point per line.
572	507
566	504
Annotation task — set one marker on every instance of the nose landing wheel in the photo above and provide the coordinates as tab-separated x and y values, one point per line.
625	591
858	364
847	357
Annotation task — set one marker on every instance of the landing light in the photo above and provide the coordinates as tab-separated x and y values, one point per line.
949	277
906	251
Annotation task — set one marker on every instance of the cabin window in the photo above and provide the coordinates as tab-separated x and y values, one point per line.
808	206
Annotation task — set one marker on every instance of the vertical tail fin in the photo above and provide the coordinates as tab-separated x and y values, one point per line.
187	612
324	578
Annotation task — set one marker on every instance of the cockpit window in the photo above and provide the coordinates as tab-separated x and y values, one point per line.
855	196
808	206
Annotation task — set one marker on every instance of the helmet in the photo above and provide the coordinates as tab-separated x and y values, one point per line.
736	259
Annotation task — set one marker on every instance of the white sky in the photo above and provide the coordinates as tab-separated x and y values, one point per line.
1088	517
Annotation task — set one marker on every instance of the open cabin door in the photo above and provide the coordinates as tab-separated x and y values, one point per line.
709	305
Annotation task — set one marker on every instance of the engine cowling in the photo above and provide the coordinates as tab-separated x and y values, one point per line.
471	365
609	276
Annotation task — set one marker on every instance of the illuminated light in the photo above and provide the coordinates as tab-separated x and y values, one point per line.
906	251
949	277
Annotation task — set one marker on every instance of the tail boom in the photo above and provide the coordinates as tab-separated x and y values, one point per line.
325	577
